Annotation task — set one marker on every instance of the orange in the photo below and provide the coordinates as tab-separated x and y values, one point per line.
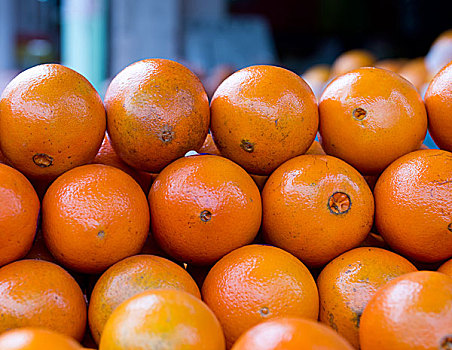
255	283
107	156
290	333
369	117
263	116
260	180
440	53
374	240
348	282
317	76
94	216
157	110
438	100
39	249
162	319
446	268
51	120
316	148
36	293
203	207
31	338
413	199
213	80
393	64
351	60
316	207
2	158
130	277
209	146
19	210
413	311
415	72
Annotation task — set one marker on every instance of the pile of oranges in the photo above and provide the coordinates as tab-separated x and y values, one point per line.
111	236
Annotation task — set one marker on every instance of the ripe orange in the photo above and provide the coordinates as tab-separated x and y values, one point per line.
263	116
446	268
316	207
19	210
415	72
255	283
36	293
157	110
316	148
351	60
413	199
130	277
348	282
94	216
203	207
393	64
317	76
438	100
369	117
2	158
413	311
290	333
162	319
209	146
51	120
31	338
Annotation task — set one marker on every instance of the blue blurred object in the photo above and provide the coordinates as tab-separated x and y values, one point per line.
428	141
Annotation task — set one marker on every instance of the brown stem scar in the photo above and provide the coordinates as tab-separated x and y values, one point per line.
359	113
339	203
42	160
205	215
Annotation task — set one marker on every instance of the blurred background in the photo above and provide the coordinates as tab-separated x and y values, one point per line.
98	38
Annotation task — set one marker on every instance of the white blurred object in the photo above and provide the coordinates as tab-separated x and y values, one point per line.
440	53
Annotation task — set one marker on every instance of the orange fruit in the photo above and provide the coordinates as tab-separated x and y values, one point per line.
263	116
316	207
369	117
209	146
39	249
317	76
255	283
157	110
36	293
348	282
196	203
290	333
440	53
107	156
392	64
415	72
438	100
374	240
51	120
19	210
446	268
413	205
130	277
31	338
2	158
351	60
94	216
260	180
413	311
316	148
165	319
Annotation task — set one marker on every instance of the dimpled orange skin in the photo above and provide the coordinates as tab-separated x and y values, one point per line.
130	277
255	283
19	210
290	333
94	216
32	338
203	207
413	311
369	117
316	207
348	282
417	189
50	114
157	110
262	116
438	100
36	293
162	319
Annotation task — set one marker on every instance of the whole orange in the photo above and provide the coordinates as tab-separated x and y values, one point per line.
51	120
413	205
130	277
31	338
19	210
36	293
438	100
317	76
157	110
393	64
413	311
350	60
348	282
162	319
369	117
263	116
446	268
290	333
94	216
415	72
203	207
316	207
255	283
